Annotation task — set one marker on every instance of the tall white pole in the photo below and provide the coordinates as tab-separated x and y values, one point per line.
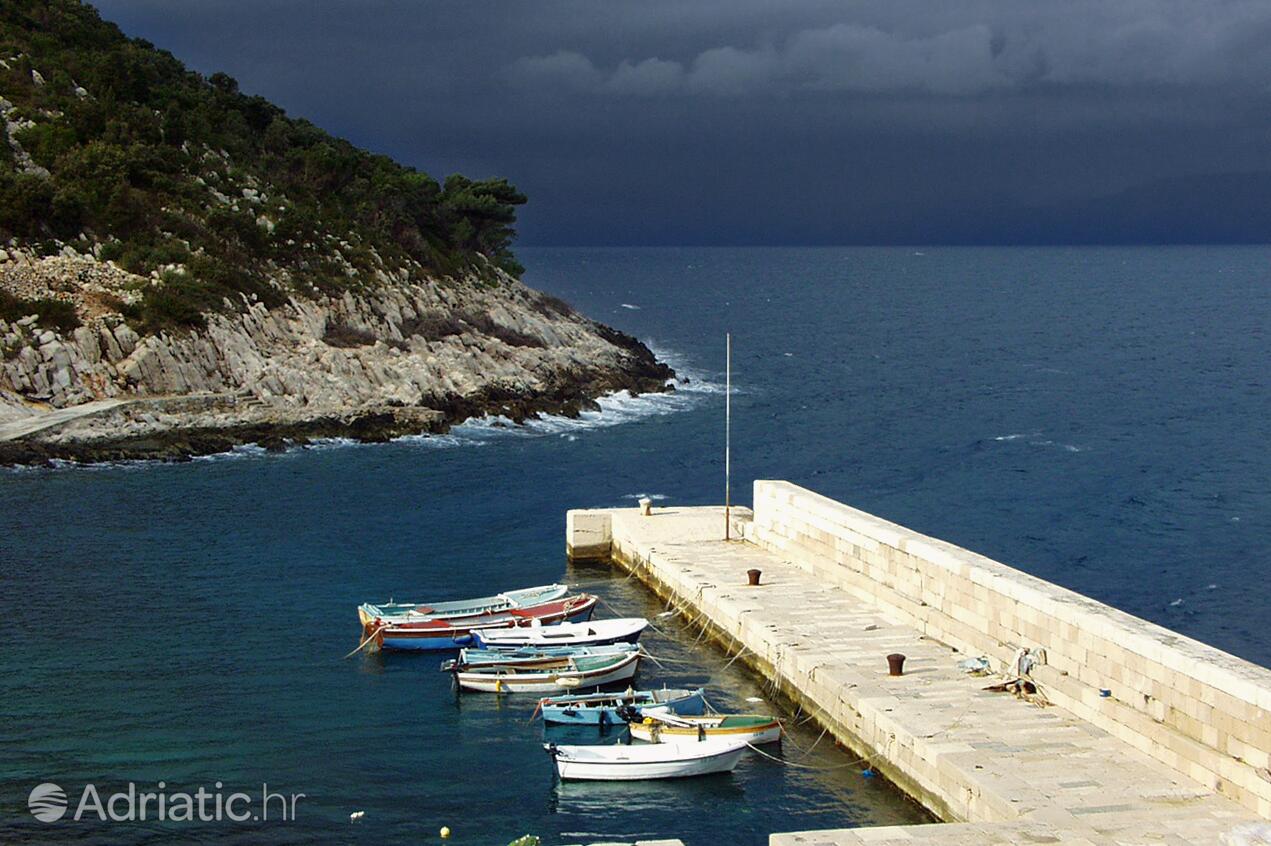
728	428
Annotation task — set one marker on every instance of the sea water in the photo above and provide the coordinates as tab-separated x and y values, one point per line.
1096	417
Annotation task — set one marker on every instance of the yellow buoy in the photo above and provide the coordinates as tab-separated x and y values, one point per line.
445	831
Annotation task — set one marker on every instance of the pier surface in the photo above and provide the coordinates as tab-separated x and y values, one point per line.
38	422
1100	763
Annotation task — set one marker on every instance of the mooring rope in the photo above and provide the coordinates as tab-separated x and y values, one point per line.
369	638
819	738
855	763
740	652
601	600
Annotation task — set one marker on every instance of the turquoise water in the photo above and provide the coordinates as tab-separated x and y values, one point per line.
1098	417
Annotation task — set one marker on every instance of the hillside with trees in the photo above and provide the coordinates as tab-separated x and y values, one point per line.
111	146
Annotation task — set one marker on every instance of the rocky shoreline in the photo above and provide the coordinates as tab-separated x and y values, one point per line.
402	357
186	436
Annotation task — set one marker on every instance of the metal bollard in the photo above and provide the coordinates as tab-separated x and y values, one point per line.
895	664
753	576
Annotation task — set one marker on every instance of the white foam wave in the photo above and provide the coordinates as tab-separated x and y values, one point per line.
630	306
334	443
691	387
1063	446
236	453
1040	442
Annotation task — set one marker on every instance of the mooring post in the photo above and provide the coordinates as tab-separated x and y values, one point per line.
728	428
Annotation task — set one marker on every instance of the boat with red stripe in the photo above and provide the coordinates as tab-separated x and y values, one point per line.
456	632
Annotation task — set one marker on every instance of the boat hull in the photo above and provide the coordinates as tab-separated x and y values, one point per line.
603	633
551	682
605	709
572	765
441	635
412	611
531	657
655	731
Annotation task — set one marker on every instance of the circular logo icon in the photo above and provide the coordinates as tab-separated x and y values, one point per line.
47	802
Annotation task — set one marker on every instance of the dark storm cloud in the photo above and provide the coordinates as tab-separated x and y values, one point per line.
807	121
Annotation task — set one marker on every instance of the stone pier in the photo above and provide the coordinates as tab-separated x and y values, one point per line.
1134	734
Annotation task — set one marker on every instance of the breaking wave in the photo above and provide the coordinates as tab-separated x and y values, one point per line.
1036	439
692	387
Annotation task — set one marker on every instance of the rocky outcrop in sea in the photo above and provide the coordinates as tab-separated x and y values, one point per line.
401	355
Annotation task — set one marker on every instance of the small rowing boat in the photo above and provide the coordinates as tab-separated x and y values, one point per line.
600	709
456	632
570	674
676	728
646	761
547	656
594	633
421	611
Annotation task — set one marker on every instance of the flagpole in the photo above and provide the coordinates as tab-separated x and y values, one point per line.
728	428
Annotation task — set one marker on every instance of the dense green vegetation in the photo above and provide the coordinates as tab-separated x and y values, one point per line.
52	314
218	191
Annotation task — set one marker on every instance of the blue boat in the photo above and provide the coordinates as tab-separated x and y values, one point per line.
602	709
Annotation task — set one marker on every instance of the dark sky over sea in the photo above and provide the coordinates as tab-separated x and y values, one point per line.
805	121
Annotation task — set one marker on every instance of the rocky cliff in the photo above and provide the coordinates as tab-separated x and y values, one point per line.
405	355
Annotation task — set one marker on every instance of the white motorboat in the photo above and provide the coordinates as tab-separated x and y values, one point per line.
645	761
594	633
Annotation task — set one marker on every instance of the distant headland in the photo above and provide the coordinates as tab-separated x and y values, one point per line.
186	268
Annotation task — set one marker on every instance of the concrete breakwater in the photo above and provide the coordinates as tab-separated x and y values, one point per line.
1136	734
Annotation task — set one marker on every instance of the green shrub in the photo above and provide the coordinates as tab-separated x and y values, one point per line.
46	142
134	164
52	314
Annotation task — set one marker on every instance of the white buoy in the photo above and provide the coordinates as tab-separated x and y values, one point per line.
445	831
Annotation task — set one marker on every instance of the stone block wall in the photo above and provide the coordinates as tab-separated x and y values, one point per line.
1202	711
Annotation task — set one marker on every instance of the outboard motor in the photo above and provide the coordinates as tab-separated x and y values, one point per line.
629	713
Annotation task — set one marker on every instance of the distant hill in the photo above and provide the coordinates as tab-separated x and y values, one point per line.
1218	208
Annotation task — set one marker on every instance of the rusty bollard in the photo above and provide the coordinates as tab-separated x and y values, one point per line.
753	576
895	664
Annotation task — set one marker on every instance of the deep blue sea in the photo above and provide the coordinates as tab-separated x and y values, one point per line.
1097	417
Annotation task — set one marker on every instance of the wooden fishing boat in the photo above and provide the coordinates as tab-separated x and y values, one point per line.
456	632
422	611
675	728
600	709
645	761
530	656
572	673
594	633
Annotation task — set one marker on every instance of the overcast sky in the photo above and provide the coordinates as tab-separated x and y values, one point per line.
783	121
